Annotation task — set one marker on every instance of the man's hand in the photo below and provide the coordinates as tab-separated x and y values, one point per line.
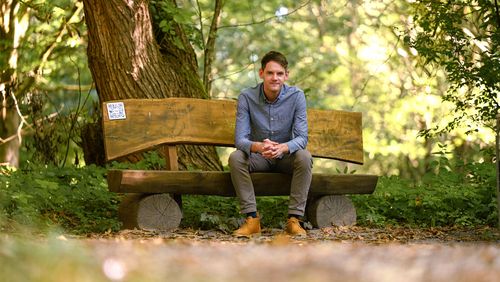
272	150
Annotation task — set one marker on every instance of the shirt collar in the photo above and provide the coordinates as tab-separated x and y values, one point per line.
263	97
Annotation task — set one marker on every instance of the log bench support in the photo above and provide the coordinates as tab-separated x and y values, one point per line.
327	204
149	212
153	200
162	212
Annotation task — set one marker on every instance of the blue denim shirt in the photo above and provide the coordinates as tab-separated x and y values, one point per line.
282	121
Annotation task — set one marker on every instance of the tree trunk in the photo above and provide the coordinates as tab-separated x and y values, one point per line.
127	61
11	30
10	141
355	74
210	47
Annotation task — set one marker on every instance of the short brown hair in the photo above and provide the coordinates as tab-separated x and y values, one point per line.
274	56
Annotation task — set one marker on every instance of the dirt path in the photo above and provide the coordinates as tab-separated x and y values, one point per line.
336	254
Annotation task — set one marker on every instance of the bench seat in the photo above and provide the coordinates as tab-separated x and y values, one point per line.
219	183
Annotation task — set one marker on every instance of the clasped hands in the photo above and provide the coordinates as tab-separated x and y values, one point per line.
272	150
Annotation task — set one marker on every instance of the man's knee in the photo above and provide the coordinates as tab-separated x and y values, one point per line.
303	157
236	158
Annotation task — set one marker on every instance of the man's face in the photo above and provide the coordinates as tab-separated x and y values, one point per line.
273	76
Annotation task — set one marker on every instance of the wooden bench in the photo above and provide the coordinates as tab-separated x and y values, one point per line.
136	125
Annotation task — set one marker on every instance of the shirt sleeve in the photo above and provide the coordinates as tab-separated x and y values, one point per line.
299	133
242	129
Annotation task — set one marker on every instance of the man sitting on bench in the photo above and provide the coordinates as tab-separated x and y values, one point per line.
271	136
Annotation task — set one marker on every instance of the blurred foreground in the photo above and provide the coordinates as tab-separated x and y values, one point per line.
343	254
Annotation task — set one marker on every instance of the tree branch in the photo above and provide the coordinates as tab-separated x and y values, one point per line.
23	88
267	19
210	46
233	73
200	18
21	124
497	13
26	132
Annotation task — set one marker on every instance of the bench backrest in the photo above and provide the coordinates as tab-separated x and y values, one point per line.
136	125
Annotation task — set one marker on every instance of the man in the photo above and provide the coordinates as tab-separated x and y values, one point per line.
271	136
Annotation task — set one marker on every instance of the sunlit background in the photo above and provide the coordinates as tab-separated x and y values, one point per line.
345	55
349	55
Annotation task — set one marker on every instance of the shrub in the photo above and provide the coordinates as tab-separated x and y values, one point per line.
462	195
73	198
78	200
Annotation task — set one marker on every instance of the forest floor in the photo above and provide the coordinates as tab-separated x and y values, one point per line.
329	254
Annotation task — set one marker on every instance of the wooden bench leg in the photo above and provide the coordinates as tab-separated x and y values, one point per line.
331	210
149	212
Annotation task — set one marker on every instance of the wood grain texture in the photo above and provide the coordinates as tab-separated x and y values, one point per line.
171	158
219	183
149	212
158	212
150	122
331	210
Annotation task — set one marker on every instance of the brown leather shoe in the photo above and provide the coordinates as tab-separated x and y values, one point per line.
251	227
293	227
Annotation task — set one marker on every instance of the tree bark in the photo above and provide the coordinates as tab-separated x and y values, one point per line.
130	57
10	33
10	142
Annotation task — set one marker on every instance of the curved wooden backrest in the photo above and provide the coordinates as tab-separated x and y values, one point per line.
135	125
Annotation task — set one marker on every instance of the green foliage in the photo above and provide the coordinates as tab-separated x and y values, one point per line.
151	160
55	137
345	171
222	213
76	199
53	25
209	212
49	71
347	56
463	37
169	17
464	196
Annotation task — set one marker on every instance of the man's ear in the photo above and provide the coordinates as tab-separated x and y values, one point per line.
286	75
261	73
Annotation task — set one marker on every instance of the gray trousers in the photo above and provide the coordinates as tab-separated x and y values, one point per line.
298	164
